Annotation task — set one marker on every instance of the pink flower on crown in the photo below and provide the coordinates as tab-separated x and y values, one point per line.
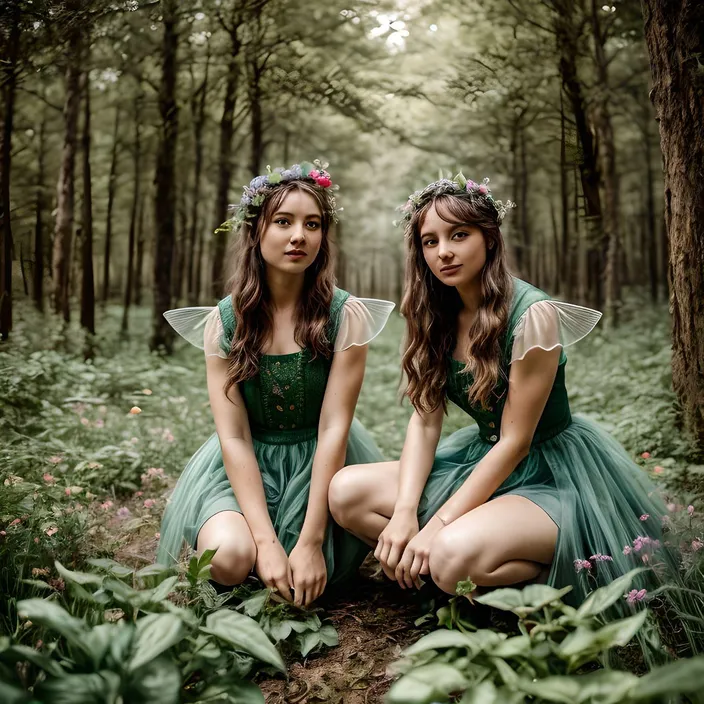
483	189
471	185
322	178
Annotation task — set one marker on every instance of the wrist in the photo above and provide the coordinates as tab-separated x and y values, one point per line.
312	537
406	509
265	539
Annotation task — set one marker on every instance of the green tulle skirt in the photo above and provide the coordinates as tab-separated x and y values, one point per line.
600	500
285	462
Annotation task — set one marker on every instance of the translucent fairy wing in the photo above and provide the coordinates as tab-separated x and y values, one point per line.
551	324
362	320
201	326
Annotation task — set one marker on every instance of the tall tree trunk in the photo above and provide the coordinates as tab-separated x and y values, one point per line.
112	182
198	103
87	282
256	125
9	91
650	216
528	251
674	32
164	209
38	272
224	164
25	287
141	249
63	231
136	197
565	265
567	35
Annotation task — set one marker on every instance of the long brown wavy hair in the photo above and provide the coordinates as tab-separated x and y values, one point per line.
431	309
251	299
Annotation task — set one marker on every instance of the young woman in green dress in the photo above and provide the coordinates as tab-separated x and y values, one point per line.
285	357
529	492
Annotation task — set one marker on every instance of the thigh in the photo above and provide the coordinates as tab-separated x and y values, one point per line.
509	527
373	487
228	530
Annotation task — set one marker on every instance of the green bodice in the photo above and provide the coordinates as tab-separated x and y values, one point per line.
285	398
556	415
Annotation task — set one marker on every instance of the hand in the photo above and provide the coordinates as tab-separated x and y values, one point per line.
309	572
416	556
393	540
273	568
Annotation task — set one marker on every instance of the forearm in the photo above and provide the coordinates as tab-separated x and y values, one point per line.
329	459
485	479
246	480
416	462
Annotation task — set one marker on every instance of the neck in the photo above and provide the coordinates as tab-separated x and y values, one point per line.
471	295
285	289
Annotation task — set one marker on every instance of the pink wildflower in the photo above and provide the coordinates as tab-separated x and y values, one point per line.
645	517
123	512
16	522
483	189
671	507
627	550
471	185
67	491
645	455
168	435
157	535
645	558
56	459
580	565
106	505
38	645
36	540
138	493
149	503
48	478
697	545
658	470
635	595
135	410
690	510
3	533
51	531
85	421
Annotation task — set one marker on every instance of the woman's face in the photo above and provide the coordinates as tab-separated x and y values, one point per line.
291	240
456	254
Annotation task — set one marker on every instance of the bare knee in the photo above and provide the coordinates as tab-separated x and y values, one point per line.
232	563
345	496
453	560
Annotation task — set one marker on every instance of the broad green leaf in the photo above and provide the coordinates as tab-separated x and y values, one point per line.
98	640
79	577
606	686
206	558
10	694
50	615
156	633
679	677
506	672
484	693
327	635
253	605
511	647
163	590
525	602
112	567
95	688
244	634
444	639
155	570
602	598
279	630
19	653
157	682
425	684
561	689
235	691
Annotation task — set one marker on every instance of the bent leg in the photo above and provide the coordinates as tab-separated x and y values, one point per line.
362	498
505	541
236	552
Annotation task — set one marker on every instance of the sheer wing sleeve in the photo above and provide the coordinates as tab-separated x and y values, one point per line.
551	324
362	320
201	326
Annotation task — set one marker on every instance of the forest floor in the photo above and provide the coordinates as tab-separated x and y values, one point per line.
84	429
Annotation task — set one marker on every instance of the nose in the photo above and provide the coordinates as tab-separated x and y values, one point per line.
445	251
298	235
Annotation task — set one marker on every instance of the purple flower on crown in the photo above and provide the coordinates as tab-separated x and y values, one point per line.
471	185
257	182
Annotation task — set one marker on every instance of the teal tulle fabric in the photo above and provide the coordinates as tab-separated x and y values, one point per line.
577	473
283	403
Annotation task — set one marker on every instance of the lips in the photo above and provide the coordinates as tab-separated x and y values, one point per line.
296	253
449	268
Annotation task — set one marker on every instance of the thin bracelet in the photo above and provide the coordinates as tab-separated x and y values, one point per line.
441	519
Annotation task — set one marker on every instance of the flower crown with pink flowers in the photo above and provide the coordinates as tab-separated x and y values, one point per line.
256	192
459	185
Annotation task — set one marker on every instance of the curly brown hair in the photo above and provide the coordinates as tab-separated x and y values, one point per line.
431	308
251	300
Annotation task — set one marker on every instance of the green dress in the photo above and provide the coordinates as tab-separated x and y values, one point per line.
607	511
283	404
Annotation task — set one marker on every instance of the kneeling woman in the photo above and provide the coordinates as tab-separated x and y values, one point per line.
529	489
285	358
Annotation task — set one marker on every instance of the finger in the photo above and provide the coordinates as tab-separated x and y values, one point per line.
384	553
299	595
415	570
399	574
388	572
403	570
394	556
284	588
379	547
425	567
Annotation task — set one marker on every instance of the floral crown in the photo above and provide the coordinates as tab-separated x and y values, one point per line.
255	193
454	186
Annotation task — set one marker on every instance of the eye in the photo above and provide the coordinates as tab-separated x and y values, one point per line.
460	235
281	221
313	224
429	242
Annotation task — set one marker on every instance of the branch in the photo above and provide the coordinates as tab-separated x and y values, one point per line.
58	108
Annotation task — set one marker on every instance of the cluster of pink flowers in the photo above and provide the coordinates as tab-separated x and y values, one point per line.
645	517
697	545
321	177
601	558
106	505
153	474
635	595
149	503
56	459
580	565
49	478
123	512
474	186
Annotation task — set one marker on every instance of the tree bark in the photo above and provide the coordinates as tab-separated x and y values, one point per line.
133	212
112	182
141	248
63	231
87	279
164	207
224	163
39	206
651	245
565	265
674	32
9	91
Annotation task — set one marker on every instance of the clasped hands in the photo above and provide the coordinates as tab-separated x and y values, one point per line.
303	572
403	550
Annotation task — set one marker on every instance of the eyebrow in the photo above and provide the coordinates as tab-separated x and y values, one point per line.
452	229
281	212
